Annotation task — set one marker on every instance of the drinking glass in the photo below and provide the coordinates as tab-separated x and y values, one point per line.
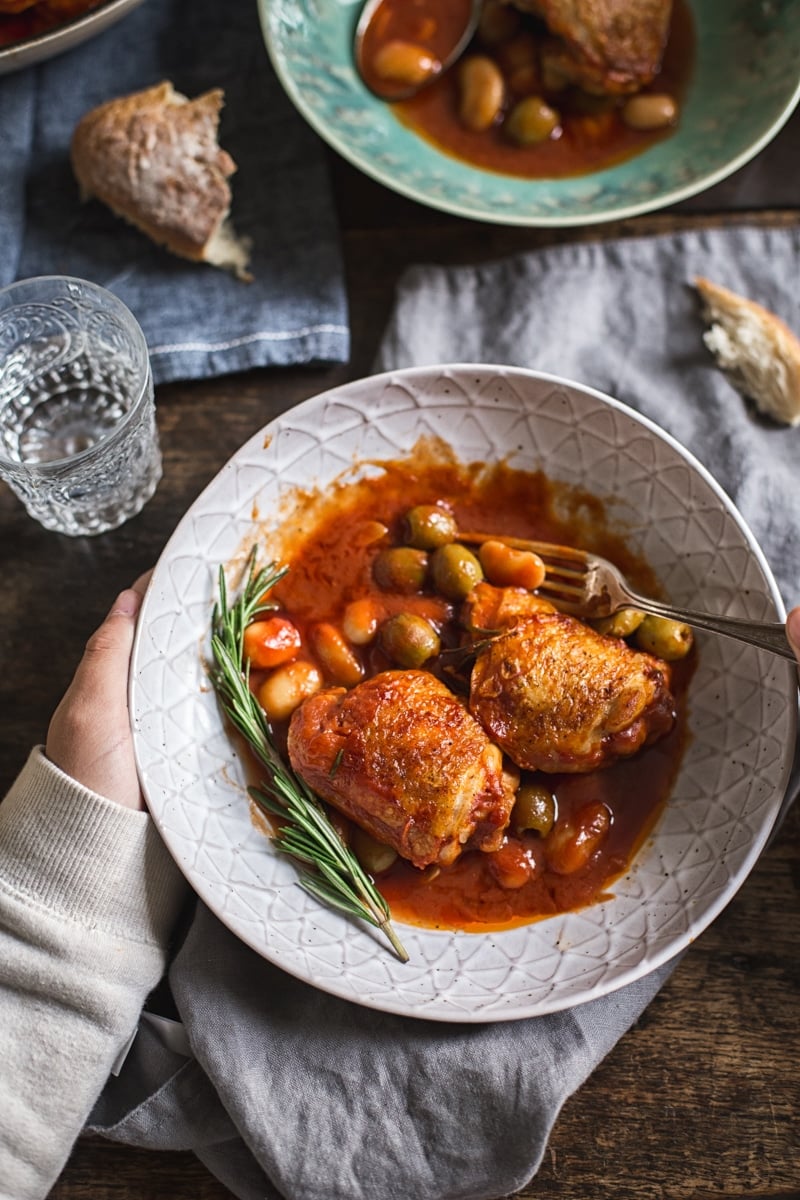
78	437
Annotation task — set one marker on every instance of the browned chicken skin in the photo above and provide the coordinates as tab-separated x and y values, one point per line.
488	608
402	757
604	46
557	696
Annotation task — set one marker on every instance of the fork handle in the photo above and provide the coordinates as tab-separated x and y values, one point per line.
767	635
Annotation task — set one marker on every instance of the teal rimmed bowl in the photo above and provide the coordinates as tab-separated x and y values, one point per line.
744	86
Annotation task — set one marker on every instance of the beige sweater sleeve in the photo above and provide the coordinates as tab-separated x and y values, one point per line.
88	899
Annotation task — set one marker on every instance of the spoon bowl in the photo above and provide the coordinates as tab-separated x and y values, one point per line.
400	48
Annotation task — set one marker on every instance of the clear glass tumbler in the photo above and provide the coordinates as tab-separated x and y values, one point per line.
78	437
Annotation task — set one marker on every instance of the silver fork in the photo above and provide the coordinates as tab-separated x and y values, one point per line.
586	585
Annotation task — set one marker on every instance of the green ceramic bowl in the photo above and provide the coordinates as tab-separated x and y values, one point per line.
745	84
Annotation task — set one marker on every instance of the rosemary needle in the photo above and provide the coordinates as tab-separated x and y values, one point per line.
335	876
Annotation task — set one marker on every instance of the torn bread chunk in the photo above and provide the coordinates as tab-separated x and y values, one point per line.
153	158
760	353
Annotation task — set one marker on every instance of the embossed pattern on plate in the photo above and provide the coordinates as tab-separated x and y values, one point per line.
742	710
745	84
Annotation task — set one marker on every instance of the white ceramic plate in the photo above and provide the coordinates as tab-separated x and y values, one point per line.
64	37
742	701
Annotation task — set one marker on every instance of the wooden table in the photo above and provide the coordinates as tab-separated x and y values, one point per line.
701	1098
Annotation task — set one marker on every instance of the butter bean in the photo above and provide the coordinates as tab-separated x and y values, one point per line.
405	62
481	92
287	687
516	862
335	656
374	856
360	620
506	567
650	110
573	842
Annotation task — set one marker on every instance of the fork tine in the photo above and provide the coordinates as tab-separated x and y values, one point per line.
565	581
572	608
561	562
567	574
555	588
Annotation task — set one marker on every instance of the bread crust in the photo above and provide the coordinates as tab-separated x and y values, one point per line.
758	350
153	158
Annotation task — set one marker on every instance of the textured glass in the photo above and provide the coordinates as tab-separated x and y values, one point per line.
78	438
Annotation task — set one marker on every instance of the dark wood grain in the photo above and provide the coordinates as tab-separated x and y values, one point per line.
700	1099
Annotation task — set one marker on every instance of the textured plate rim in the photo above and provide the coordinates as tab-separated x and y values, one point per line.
446	1011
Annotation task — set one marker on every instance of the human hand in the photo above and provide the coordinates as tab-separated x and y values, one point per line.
793	631
90	736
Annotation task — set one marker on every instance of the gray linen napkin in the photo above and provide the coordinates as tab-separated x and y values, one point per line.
198	321
294	1093
624	317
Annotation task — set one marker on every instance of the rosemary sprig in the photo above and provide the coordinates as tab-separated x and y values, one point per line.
336	877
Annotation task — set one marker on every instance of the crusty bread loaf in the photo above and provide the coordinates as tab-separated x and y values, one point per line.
154	159
759	351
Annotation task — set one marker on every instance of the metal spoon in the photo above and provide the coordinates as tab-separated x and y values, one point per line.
394	89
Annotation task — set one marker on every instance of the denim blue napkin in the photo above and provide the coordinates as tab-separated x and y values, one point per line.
199	321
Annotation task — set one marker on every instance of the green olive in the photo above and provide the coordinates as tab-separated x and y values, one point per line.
664	638
620	624
429	525
373	855
534	808
400	569
455	570
530	121
409	640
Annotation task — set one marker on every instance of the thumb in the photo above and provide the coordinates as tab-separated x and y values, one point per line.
108	650
89	734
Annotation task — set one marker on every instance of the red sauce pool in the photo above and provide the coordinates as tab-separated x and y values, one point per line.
592	133
330	555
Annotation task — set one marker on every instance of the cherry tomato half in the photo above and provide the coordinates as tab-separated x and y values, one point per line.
270	642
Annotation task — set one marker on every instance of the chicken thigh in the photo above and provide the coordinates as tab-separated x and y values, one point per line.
556	695
604	46
402	757
488	608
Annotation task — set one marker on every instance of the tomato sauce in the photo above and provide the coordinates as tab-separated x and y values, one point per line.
591	135
330	543
41	18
